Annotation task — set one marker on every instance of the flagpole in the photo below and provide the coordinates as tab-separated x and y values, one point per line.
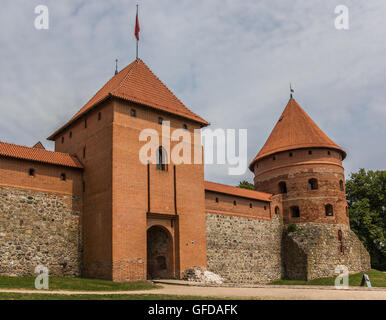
137	38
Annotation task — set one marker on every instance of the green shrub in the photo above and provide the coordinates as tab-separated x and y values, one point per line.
291	228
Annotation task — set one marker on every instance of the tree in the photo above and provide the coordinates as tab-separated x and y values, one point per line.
246	185
366	196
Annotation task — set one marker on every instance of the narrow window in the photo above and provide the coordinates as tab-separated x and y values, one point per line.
274	158
329	153
133	113
63	177
31	172
84	186
234	203
85	123
99	116
70	134
160	120
282	187
277	210
341	185
161	159
216	200
340	235
295	212
185	127
84	152
290	154
265	207
312	184
309	152
329	210
62	140
250	205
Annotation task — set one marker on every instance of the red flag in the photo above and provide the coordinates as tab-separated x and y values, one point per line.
137	29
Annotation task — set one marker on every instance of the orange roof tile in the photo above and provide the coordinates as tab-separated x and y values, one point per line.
239	192
38	155
39	145
295	130
137	83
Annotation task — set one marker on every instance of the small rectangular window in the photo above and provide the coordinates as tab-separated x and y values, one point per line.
216	200
70	134
160	120
309	152
250	205
133	113
62	140
31	172
84	152
234	203
85	123
99	116
185	127
63	177
84	186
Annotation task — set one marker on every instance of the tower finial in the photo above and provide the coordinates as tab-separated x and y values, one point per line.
116	66
291	91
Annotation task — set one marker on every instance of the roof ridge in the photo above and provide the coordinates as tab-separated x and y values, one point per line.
167	88
227	185
129	72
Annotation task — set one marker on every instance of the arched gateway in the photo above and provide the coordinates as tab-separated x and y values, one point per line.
159	253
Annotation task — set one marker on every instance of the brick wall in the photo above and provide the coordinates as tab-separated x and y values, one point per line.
233	205
296	171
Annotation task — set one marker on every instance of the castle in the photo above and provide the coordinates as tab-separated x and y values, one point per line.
92	209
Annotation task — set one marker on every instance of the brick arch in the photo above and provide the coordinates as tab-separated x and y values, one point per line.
159	253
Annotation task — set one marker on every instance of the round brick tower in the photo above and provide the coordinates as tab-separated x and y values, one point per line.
304	166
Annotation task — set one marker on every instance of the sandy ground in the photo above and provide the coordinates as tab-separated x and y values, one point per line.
243	293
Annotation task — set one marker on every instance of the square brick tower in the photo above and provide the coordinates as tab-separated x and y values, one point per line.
139	220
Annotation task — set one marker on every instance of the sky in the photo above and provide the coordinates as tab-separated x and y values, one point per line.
229	61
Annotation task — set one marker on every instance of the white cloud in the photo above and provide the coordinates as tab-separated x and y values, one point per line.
229	61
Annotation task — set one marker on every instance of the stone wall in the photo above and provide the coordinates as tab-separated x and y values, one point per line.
244	250
39	228
314	250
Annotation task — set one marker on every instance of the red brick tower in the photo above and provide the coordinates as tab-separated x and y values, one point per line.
139	221
304	166
301	165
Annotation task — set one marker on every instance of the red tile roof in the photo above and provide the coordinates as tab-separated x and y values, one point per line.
38	155
295	130
39	145
239	192
137	83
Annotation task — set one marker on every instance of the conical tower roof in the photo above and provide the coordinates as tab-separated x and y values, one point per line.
295	130
137	83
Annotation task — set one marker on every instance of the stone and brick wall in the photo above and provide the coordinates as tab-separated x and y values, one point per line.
39	228
244	250
314	251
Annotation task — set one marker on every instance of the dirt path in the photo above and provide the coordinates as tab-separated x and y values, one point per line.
241	293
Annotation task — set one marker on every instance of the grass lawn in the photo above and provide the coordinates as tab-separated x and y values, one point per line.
377	279
38	296
75	284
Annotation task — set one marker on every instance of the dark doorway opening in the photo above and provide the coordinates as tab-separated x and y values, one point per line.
159	253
